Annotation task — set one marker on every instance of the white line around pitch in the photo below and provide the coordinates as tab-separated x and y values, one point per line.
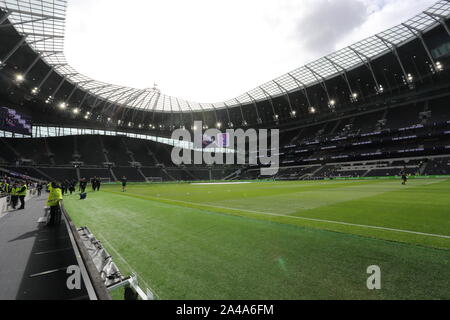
309	219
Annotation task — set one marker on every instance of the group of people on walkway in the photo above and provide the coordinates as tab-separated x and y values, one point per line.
17	190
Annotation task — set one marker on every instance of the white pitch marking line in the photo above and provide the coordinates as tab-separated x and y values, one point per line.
218	183
316	220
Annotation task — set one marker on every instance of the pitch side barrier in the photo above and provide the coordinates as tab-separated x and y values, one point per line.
188	182
272	180
390	178
97	269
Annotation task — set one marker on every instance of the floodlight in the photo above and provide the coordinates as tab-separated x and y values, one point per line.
20	78
410	77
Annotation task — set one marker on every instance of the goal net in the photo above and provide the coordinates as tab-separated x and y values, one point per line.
105	180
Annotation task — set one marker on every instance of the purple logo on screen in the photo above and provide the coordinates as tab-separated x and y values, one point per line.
221	140
12	121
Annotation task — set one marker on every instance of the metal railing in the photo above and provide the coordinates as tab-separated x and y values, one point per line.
94	283
98	287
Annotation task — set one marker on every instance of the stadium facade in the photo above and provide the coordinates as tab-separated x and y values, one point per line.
374	108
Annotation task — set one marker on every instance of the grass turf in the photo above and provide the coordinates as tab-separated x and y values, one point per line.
277	240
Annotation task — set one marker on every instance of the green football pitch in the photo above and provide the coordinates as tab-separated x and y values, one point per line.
277	240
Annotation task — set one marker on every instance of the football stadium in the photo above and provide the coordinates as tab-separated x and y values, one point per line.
330	182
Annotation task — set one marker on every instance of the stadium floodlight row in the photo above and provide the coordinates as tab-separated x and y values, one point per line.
41	26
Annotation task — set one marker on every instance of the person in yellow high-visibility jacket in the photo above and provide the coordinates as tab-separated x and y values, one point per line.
4	186
53	201
14	195
22	193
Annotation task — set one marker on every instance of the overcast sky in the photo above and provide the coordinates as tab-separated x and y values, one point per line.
215	50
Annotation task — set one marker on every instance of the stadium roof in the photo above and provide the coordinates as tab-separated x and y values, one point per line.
42	23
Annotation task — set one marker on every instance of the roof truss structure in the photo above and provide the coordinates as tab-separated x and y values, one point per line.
42	24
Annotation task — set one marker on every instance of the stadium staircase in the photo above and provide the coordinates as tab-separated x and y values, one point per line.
113	175
133	159
128	151
307	175
367	173
50	154
160	165
43	174
105	156
152	155
77	169
423	168
163	169
189	173
76	154
313	174
233	175
104	150
338	123
297	137
142	174
17	154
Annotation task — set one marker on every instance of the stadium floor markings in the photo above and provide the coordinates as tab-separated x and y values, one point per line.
47	272
306	219
310	199
52	251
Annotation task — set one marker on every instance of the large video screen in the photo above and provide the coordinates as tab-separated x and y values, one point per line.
13	121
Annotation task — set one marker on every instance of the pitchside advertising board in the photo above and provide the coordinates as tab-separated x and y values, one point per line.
15	122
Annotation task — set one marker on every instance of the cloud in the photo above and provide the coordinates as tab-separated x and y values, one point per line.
386	14
211	51
326	22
